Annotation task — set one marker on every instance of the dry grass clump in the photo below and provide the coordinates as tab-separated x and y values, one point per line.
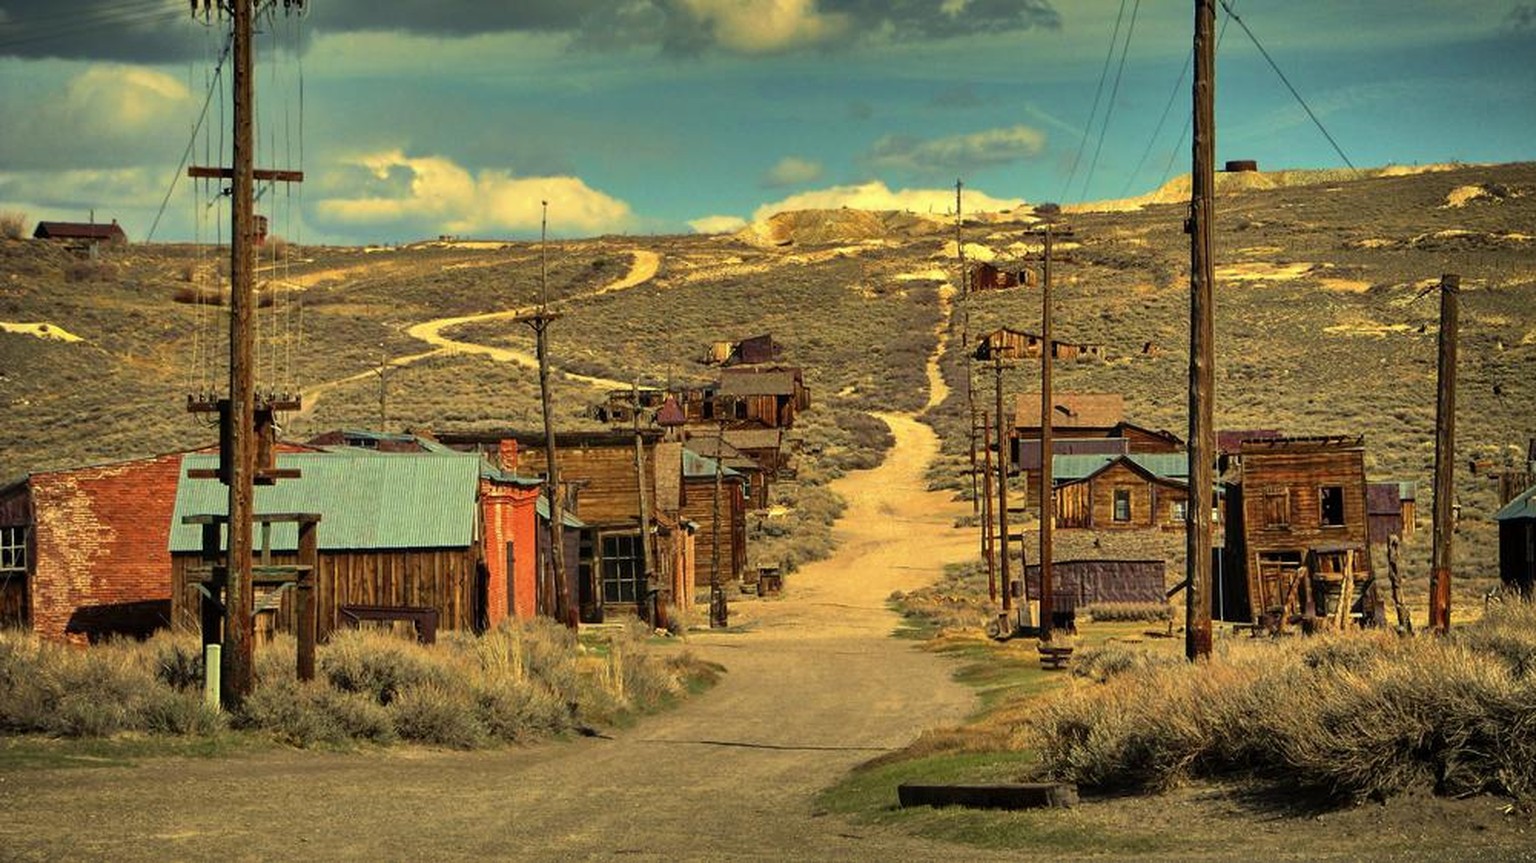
957	601
110	689
13	225
1348	716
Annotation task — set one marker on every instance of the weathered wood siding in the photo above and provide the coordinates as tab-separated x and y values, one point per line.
699	508
608	488
444	579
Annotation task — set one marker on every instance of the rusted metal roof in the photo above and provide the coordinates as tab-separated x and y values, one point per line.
1073	410
670	413
365	500
758	382
79	231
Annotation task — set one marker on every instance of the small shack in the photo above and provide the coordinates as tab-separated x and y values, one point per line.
1122	492
767	397
1076	583
90	233
1517	542
1390	510
699	502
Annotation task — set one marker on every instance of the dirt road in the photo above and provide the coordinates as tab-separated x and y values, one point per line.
814	686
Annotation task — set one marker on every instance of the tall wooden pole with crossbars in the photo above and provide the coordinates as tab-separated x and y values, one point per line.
1202	435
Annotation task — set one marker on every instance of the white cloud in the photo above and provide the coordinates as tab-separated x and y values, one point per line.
766	26
962	153
717	224
436	195
103	115
792	171
877	196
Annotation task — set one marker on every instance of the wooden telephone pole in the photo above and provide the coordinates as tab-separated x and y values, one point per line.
247	429
965	337
565	610
988	542
1002	488
1047	437
1445	458
1202	436
648	610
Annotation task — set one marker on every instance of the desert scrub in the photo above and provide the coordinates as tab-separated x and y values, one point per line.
1349	716
109	689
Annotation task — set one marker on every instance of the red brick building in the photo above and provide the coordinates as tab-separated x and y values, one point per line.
88	549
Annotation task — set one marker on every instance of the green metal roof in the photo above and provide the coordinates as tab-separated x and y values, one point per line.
695	465
541	506
1523	506
1171	466
365	500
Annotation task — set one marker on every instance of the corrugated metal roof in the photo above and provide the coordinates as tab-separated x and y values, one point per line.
1523	506
1029	448
1073	410
365	500
1171	465
541	506
695	465
754	382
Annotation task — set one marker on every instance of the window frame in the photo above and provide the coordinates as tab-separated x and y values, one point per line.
1121	496
14	550
623	566
1323	507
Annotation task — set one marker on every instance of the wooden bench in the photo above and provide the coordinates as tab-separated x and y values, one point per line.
421	617
1053	658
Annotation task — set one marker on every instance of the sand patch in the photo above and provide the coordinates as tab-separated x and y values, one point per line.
1351	286
933	275
973	252
41	330
1367	329
1260	271
1374	243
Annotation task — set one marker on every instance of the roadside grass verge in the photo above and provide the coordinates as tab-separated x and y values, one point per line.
520	682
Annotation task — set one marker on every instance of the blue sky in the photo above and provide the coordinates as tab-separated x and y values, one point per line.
668	116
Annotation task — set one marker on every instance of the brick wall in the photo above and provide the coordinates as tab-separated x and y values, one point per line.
509	517
101	548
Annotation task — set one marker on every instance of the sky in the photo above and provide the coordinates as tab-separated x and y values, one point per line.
413	119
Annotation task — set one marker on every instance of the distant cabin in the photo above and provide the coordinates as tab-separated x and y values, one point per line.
80	232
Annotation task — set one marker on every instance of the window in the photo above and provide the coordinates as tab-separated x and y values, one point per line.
13	551
1276	502
1179	512
1122	504
1330	500
623	568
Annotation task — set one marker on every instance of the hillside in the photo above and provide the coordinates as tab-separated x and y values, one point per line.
1321	322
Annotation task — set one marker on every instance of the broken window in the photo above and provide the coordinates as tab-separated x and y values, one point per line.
1122	504
13	551
1276	501
623	568
1331	505
1179	512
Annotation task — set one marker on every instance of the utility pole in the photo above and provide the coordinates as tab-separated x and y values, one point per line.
247	430
988	542
384	370
1445	458
965	335
1202	436
648	611
1047	447
1002	485
565	610
719	612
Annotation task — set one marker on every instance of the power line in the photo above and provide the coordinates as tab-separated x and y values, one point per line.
18	33
1304	106
1114	93
1189	118
1173	96
1094	111
192	141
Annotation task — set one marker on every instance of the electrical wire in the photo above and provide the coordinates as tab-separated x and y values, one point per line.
1094	111
1304	106
1173	96
192	143
1114	93
49	28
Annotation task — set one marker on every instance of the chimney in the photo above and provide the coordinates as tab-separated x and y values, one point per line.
507	452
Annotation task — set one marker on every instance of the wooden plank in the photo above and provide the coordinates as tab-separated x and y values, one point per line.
204	172
1007	795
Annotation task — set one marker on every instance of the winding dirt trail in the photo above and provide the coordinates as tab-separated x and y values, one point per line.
641	270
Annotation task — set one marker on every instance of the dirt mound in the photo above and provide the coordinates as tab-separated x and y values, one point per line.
830	227
1177	190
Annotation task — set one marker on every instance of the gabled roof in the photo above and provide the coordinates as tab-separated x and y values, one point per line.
78	231
670	413
758	382
1167	467
365	500
1523	506
1073	410
696	466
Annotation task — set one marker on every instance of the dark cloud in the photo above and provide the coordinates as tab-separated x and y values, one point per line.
164	30
1522	19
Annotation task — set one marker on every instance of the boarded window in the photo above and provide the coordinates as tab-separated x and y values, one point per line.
1122	504
623	576
1277	507
13	551
1330	500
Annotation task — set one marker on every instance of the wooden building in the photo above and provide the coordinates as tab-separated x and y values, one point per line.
755	453
447	532
1517	543
749	351
699	503
1085	582
83	550
1080	417
1028	464
89	233
1390	510
1122	492
1297	543
1018	344
987	276
767	397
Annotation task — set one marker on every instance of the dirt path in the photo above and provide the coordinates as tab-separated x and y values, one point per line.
641	270
814	686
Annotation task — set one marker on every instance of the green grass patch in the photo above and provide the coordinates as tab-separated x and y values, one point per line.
35	752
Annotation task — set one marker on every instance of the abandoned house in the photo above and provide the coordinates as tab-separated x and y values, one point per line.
1076	583
709	487
1007	343
81	232
1080	416
767	397
1517	542
1028	465
83	550
1390	510
443	533
755	453
1297	544
987	276
1122	492
750	351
